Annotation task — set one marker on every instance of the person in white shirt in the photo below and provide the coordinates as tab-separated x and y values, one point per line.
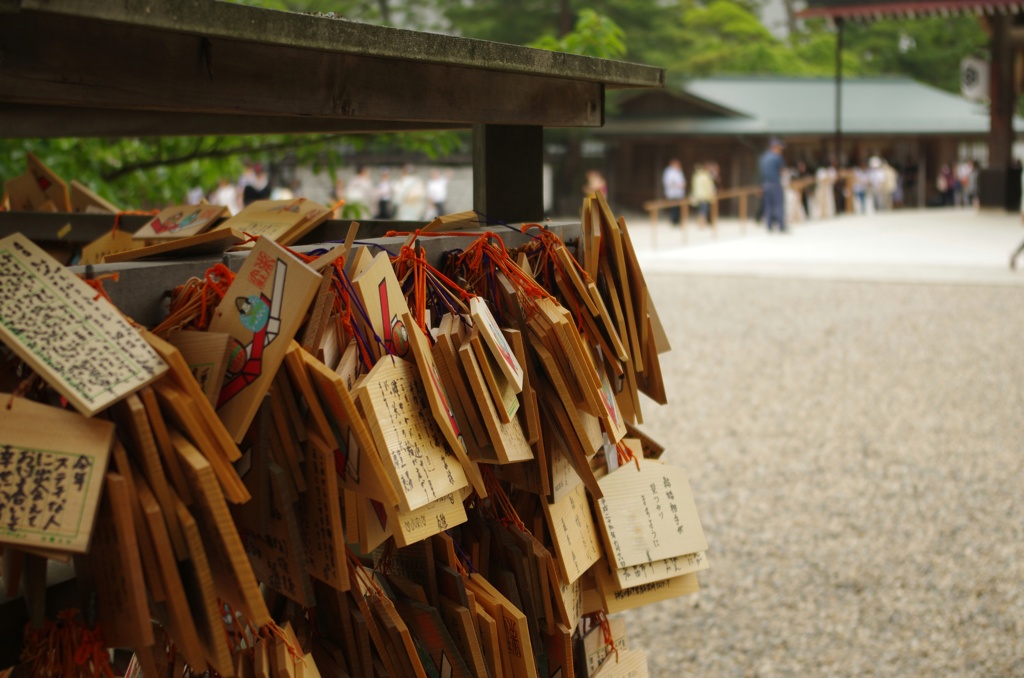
673	184
359	192
437	192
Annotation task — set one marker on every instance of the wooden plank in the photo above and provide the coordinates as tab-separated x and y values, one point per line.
376	88
232	572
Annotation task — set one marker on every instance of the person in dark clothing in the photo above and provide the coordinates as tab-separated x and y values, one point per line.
771	166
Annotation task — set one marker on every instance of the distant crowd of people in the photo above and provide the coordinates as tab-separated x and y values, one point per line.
795	193
408	198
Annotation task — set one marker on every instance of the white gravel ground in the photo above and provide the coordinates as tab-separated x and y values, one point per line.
857	454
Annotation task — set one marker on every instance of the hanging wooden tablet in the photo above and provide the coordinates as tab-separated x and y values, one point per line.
625	664
179	622
181	411
132	419
356	459
437	516
55	188
528	398
206	354
568	598
492	335
320	516
52	465
276	550
221	441
232	572
649	514
584	433
459	621
197	580
319	314
382	298
181	221
596	647
84	199
25	195
73	338
211	242
147	551
432	636
121	608
113	243
262	311
513	629
415	455
669	568
490	641
283	221
651	382
509	441
478	442
398	641
573	533
375	526
614	600
502	393
440	404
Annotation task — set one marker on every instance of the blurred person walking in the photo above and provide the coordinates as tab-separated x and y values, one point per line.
772	166
673	185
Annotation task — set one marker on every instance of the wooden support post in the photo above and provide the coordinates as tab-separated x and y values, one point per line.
508	180
714	217
743	213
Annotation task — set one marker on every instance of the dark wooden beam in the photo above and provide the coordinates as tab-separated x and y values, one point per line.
214	19
507	182
69	62
30	121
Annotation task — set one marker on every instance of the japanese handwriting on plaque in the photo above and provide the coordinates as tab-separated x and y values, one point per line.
648	515
52	466
78	342
417	458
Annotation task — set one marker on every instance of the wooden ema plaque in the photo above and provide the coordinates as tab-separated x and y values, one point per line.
573	533
358	465
495	340
419	463
669	568
210	242
52	465
47	181
320	516
283	221
74	339
206	354
232	572
382	298
262	311
116	569
181	221
648	514
436	517
440	403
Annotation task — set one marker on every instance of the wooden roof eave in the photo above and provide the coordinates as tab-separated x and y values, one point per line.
202	66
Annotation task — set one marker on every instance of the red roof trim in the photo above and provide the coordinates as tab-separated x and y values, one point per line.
908	8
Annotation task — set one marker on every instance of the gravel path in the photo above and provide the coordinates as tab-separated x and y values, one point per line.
857	455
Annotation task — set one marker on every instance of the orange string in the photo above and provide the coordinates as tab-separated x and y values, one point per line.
606	631
97	284
625	455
